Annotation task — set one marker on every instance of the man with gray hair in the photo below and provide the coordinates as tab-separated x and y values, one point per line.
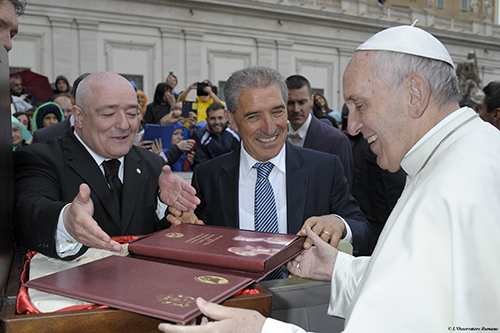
434	268
302	185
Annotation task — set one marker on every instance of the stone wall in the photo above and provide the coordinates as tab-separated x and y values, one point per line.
210	39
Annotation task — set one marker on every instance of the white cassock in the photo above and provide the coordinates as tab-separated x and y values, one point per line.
436	266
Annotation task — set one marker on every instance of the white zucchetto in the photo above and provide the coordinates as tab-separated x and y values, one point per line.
410	40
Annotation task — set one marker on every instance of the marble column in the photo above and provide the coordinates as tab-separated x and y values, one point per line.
61	46
265	48
193	67
284	65
173	55
87	37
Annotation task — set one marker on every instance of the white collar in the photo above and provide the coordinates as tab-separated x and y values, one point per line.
97	158
247	161
436	128
302	130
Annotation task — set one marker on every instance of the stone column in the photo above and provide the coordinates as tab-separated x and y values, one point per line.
87	37
284	64
173	59
265	49
193	65
61	46
345	55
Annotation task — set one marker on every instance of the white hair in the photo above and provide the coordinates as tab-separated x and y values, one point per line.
395	67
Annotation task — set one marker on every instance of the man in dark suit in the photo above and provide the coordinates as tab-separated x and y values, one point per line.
66	198
305	130
308	186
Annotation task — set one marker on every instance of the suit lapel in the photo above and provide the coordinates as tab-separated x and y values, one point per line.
296	180
228	184
134	179
311	131
85	166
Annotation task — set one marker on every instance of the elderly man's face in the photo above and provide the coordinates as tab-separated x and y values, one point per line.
298	106
16	86
375	111
261	121
108	121
8	24
65	104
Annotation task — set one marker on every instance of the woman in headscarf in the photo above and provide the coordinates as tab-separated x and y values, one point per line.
46	115
61	85
20	135
180	155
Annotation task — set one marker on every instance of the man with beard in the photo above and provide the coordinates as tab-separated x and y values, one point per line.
216	138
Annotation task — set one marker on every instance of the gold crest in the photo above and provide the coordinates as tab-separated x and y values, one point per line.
182	301
174	235
210	279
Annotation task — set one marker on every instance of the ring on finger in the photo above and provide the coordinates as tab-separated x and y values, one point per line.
180	196
326	232
298	264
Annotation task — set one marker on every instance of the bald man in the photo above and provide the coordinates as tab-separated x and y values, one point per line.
77	190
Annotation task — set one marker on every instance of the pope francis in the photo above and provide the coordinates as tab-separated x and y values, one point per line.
434	266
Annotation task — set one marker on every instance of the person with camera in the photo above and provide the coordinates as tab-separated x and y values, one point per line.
206	95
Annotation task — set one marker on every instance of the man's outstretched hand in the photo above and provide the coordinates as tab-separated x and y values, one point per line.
80	224
175	191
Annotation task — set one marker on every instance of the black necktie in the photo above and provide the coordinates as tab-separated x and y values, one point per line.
115	185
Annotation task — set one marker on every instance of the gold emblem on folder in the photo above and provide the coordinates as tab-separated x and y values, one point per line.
174	235
182	301
210	279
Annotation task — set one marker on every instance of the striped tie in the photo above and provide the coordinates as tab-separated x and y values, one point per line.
266	217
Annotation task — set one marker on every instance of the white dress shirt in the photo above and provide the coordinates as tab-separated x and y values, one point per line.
66	245
277	178
298	137
246	188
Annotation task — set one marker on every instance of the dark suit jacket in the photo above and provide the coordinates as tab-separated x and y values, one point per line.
375	189
48	176
316	186
154	113
329	139
47	133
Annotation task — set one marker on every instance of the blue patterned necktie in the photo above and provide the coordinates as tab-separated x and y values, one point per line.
266	217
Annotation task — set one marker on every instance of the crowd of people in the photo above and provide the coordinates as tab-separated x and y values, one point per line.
422	235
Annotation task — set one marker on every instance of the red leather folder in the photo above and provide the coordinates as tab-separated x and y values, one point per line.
146	287
223	249
174	267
